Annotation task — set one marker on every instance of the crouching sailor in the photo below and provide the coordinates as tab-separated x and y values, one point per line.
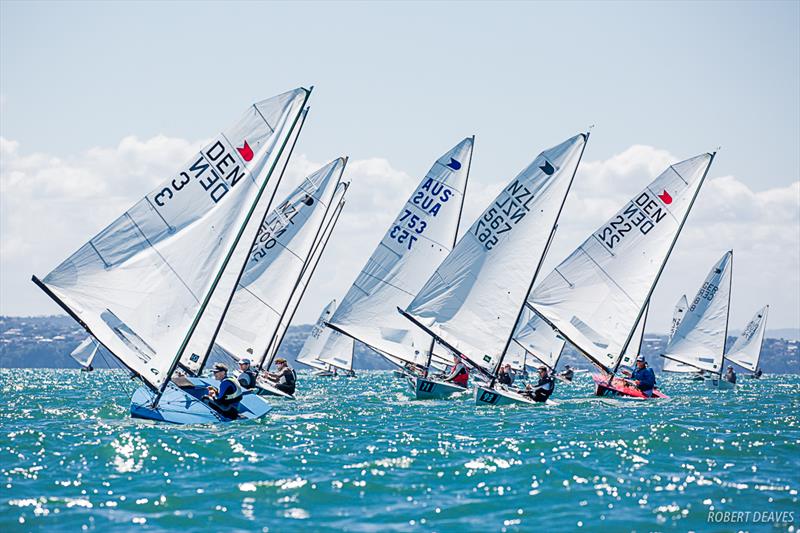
643	377
285	378
543	388
246	377
567	373
459	375
226	399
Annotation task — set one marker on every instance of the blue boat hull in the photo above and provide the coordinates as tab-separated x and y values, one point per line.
184	405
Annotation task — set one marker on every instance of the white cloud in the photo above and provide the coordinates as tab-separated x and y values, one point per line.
50	206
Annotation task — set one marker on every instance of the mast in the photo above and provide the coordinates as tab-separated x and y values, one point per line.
455	240
663	264
323	243
228	256
541	260
267	212
727	318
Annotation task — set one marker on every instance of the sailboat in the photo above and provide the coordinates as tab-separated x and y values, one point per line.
141	286
338	353
535	343
422	234
474	301
312	348
670	365
746	351
286	240
597	296
85	353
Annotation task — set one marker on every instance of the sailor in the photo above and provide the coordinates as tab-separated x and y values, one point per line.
758	373
730	375
568	373
225	399
284	378
459	373
90	368
543	388
643	377
503	376
246	377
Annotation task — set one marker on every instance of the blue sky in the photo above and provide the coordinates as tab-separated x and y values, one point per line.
401	83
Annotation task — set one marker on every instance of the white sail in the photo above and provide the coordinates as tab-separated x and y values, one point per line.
746	350
473	299
275	263
596	295
635	346
699	340
312	260
538	339
677	317
85	352
141	284
312	349
338	350
421	236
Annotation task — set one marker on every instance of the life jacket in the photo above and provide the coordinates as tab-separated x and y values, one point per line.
247	379
231	397
541	394
462	377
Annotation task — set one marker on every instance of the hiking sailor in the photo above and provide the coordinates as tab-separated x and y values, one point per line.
459	374
226	399
543	388
246	377
567	374
504	376
730	375
643	377
284	378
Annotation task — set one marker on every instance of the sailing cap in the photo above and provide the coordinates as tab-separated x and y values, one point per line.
542	368
280	360
220	367
244	361
641	359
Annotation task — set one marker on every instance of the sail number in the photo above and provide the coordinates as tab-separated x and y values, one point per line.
643	214
217	170
408	224
429	198
508	210
706	292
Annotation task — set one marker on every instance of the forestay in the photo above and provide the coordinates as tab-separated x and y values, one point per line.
312	260
312	348
422	234
677	317
538	339
275	262
699	340
474	298
747	348
141	284
596	296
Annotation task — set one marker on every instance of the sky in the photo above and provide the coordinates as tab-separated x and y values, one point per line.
99	102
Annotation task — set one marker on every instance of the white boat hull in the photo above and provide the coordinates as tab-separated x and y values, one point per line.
501	396
433	389
265	388
719	384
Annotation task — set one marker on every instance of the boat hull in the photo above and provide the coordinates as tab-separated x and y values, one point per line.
266	388
501	396
620	388
719	384
184	405
433	389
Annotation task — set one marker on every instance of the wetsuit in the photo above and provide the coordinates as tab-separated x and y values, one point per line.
504	378
247	379
730	376
646	378
286	381
544	388
568	374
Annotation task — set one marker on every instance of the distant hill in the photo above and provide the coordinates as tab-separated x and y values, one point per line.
46	342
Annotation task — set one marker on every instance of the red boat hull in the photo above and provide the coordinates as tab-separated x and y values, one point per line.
620	387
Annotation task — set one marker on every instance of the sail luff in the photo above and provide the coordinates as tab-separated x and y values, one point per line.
727	316
293	137
302	285
210	292
664	262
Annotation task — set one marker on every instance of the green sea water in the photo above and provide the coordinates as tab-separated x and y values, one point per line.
360	455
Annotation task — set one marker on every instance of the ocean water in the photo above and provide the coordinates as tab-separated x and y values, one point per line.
360	455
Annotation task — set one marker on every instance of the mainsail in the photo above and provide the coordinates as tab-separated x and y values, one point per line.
422	234
634	348
538	339
677	317
699	340
86	351
473	301
275	263
312	348
141	285
747	348
265	361
338	350
597	295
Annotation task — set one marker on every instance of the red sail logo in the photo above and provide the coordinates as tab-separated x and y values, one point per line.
664	196
246	152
